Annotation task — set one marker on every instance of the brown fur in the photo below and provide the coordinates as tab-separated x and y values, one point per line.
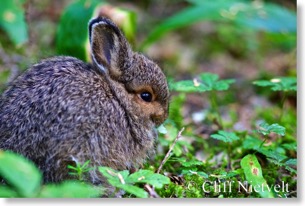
62	110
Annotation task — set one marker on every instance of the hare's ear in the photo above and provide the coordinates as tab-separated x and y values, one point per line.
110	50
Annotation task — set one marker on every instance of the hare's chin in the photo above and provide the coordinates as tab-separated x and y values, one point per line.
154	133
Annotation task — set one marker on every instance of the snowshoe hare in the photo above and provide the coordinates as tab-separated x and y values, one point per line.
63	111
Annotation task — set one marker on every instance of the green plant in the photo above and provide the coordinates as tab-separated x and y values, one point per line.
274	151
206	82
80	170
228	138
130	182
281	84
254	176
23	179
74	20
224	136
255	15
265	129
12	21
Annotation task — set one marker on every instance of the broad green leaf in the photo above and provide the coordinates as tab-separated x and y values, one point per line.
194	172
113	175
175	109
290	146
161	129
271	153
127	182
187	86
206	82
265	129
12	20
256	144
252	143
279	83
19	172
6	192
291	162
137	191
211	82
149	177
172	132
225	136
70	189
129	188
178	159
254	176
285	165
203	174
72	36
234	173
119	180
191	163
256	15
177	150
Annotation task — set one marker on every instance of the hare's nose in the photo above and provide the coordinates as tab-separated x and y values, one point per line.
158	119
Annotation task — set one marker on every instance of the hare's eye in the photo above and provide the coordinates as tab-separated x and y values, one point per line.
146	96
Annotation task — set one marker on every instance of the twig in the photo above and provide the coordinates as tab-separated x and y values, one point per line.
151	191
169	151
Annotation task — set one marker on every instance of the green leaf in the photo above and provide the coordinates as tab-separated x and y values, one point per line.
6	192
290	146
225	136
271	153
252	143
210	81
194	172
12	20
256	144
191	163
206	82
254	175
239	13
137	191
161	129
170	136
279	83
122	180
203	174
113	175
72	36
149	177
19	172
187	86
234	173
291	162
70	189
175	110
285	165
265	129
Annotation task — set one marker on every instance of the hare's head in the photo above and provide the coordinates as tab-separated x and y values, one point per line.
131	74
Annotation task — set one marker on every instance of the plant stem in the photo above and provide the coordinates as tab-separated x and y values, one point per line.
229	156
170	149
215	108
282	105
263	142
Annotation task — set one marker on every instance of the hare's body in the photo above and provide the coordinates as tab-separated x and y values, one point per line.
63	111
